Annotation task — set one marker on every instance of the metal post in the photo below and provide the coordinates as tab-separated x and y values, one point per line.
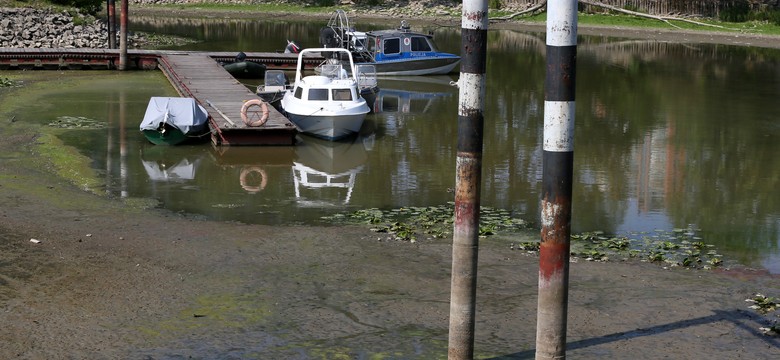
465	239
557	163
111	7
123	37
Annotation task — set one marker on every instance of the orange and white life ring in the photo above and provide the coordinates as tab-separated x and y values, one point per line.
248	174
254	117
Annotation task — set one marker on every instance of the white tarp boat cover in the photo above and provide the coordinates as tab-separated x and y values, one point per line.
183	113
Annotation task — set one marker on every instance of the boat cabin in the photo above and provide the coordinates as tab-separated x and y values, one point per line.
333	84
399	43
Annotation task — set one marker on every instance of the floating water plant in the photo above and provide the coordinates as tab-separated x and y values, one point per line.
409	223
762	303
77	122
6	82
673	248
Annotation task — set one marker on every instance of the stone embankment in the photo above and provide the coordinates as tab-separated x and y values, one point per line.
35	28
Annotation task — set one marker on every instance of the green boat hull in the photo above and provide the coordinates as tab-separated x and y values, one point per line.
170	135
246	70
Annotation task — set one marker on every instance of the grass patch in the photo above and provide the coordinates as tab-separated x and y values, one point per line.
68	163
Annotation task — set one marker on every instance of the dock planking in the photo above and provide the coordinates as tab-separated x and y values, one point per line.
199	76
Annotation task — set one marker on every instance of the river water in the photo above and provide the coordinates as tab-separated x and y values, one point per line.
668	136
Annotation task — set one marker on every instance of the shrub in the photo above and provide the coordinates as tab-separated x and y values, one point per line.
737	11
91	7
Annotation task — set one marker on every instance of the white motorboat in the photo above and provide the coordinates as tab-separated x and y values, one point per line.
327	105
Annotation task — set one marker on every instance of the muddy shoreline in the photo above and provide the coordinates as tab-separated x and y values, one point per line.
109	279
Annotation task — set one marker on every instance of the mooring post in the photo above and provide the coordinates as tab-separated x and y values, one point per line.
111	8
468	177
557	171
123	37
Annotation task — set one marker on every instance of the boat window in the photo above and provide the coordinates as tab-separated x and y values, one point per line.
420	43
342	95
318	94
391	46
298	92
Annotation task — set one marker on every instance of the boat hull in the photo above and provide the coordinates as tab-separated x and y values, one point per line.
171	135
416	66
329	127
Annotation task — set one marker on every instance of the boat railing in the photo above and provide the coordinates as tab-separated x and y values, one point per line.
366	76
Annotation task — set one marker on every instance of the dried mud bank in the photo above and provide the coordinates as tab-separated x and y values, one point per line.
110	280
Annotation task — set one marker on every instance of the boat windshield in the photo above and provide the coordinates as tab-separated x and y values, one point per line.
342	95
334	71
318	94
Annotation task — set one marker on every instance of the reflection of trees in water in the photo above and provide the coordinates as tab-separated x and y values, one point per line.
249	34
709	102
685	119
684	129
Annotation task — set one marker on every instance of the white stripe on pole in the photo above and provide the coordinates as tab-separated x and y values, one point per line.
558	126
562	23
474	15
472	90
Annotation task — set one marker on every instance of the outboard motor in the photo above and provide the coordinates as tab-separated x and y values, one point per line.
292	48
240	57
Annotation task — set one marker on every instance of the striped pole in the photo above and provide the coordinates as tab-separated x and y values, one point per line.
465	239
557	164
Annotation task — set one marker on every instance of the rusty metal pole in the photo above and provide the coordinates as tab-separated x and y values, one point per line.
123	37
468	177
557	173
111	7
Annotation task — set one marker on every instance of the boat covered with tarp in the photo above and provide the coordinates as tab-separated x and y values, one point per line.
173	120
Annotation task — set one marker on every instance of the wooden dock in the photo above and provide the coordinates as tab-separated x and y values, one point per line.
200	77
193	74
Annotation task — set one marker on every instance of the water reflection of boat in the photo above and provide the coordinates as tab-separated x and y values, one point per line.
328	168
412	94
254	164
169	164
